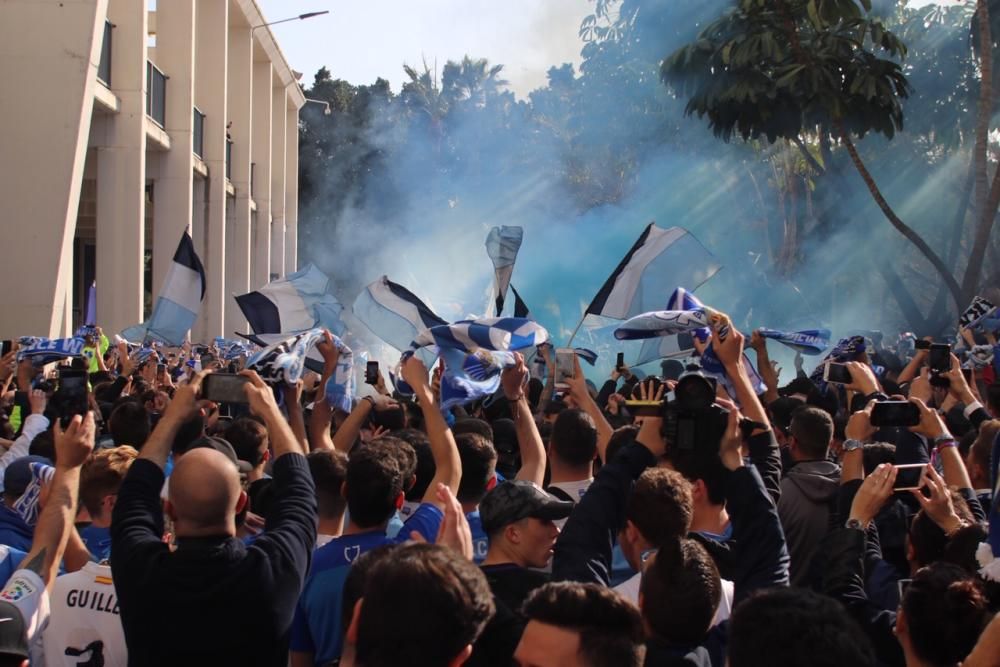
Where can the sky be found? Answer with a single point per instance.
(361, 41)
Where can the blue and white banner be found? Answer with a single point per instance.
(394, 314)
(587, 355)
(663, 323)
(285, 361)
(43, 351)
(520, 307)
(809, 341)
(977, 310)
(299, 301)
(27, 505)
(502, 245)
(498, 334)
(341, 386)
(713, 367)
(470, 376)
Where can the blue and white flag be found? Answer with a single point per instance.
(659, 257)
(179, 301)
(285, 361)
(713, 367)
(683, 299)
(299, 301)
(44, 351)
(27, 504)
(85, 330)
(498, 334)
(520, 307)
(502, 245)
(341, 386)
(663, 323)
(809, 341)
(470, 376)
(394, 314)
(587, 355)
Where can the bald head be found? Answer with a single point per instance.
(205, 494)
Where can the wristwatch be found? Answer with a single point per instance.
(856, 524)
(851, 445)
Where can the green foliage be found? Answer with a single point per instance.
(774, 69)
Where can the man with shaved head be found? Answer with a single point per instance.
(211, 600)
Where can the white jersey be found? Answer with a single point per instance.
(629, 589)
(26, 591)
(85, 627)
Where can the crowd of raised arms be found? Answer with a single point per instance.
(652, 521)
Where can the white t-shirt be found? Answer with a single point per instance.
(26, 591)
(84, 622)
(630, 589)
(574, 490)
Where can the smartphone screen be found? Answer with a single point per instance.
(224, 388)
(565, 367)
(895, 413)
(837, 373)
(939, 358)
(371, 373)
(620, 361)
(909, 477)
(7, 345)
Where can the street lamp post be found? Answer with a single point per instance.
(300, 17)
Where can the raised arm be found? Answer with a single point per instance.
(296, 420)
(446, 460)
(730, 352)
(529, 441)
(764, 366)
(182, 407)
(912, 369)
(55, 523)
(578, 390)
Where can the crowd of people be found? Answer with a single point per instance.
(658, 521)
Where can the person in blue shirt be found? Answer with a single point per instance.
(14, 531)
(374, 491)
(101, 477)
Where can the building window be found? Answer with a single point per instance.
(156, 94)
(104, 66)
(199, 133)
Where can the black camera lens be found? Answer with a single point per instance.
(694, 392)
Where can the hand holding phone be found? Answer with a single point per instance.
(225, 388)
(835, 373)
(371, 373)
(909, 477)
(620, 361)
(895, 413)
(565, 365)
(939, 358)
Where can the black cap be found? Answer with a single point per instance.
(13, 634)
(223, 447)
(516, 500)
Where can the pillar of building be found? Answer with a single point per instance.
(173, 193)
(46, 128)
(211, 100)
(279, 118)
(121, 174)
(291, 188)
(238, 220)
(261, 157)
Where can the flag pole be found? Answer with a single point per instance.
(576, 330)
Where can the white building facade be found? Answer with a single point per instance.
(124, 126)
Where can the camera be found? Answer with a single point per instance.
(691, 419)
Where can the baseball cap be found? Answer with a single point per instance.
(223, 447)
(516, 500)
(13, 634)
(18, 475)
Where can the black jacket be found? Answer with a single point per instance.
(213, 601)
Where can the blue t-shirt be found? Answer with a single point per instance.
(480, 545)
(316, 628)
(98, 541)
(10, 558)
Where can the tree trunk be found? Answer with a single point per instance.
(986, 200)
(901, 227)
(909, 307)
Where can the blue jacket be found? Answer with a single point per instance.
(14, 532)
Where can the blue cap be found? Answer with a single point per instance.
(17, 477)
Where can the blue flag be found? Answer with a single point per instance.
(299, 301)
(809, 341)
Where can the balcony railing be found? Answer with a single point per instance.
(198, 140)
(156, 94)
(229, 158)
(104, 66)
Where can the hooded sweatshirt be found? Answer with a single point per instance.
(808, 497)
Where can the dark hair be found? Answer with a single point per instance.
(329, 470)
(407, 457)
(129, 424)
(681, 590)
(479, 460)
(877, 453)
(812, 429)
(609, 626)
(426, 468)
(781, 410)
(421, 607)
(661, 506)
(789, 627)
(993, 397)
(391, 419)
(44, 444)
(374, 482)
(357, 578)
(982, 446)
(621, 437)
(574, 438)
(554, 407)
(695, 464)
(945, 612)
(249, 440)
(473, 425)
(535, 388)
(927, 538)
(189, 431)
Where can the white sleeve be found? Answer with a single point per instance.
(33, 425)
(26, 591)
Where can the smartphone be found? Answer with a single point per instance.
(895, 413)
(72, 395)
(939, 358)
(565, 364)
(620, 361)
(922, 345)
(837, 373)
(224, 388)
(909, 477)
(371, 373)
(7, 345)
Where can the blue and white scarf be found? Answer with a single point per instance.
(285, 360)
(809, 341)
(340, 388)
(27, 504)
(43, 351)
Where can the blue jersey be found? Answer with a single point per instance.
(480, 545)
(10, 558)
(98, 541)
(317, 628)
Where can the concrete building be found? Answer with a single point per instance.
(126, 122)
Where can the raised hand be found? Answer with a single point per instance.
(38, 401)
(873, 493)
(513, 378)
(931, 425)
(260, 396)
(939, 505)
(454, 532)
(74, 444)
